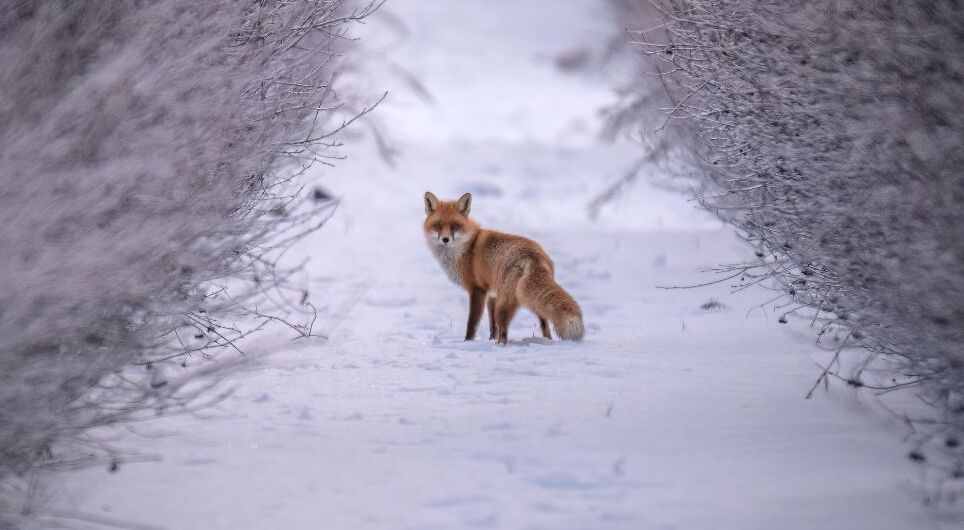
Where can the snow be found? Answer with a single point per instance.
(667, 416)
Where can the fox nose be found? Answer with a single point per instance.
(445, 240)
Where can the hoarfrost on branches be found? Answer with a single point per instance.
(154, 158)
(830, 134)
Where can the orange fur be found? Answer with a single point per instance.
(509, 270)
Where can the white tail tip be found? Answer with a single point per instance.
(571, 329)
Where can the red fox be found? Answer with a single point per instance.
(503, 269)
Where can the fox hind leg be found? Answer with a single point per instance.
(505, 308)
(492, 330)
(544, 325)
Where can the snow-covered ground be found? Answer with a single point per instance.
(668, 415)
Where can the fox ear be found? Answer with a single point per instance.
(431, 203)
(465, 203)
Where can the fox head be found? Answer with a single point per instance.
(447, 223)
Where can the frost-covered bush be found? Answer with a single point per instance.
(830, 133)
(149, 150)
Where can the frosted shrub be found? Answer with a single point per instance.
(151, 156)
(830, 133)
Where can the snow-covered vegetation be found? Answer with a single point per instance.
(830, 133)
(152, 156)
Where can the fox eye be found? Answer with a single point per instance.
(456, 227)
(437, 226)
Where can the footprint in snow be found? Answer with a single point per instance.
(601, 309)
(564, 480)
(389, 302)
(501, 426)
(484, 188)
(536, 340)
(456, 501)
(200, 461)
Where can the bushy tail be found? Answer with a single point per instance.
(540, 292)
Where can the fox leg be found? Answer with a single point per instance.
(491, 306)
(505, 308)
(476, 306)
(544, 324)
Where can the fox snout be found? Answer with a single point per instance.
(442, 236)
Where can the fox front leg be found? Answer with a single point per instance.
(476, 306)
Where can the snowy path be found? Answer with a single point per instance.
(666, 416)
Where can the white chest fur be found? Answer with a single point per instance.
(448, 258)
